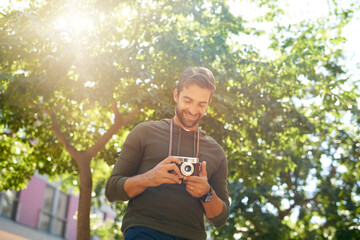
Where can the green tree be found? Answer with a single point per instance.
(295, 155)
(72, 89)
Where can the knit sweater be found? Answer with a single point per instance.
(168, 208)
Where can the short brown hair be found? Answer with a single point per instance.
(200, 76)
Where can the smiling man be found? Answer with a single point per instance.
(167, 201)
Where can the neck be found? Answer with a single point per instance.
(176, 120)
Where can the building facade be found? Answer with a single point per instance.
(41, 211)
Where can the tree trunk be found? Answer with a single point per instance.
(83, 219)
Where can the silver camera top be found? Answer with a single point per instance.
(192, 160)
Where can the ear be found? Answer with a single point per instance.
(176, 96)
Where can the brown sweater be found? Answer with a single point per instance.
(168, 208)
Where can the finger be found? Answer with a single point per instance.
(192, 180)
(171, 159)
(174, 169)
(190, 188)
(172, 179)
(203, 172)
(197, 182)
(193, 191)
(175, 178)
(169, 175)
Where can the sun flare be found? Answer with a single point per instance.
(74, 23)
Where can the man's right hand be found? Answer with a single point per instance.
(166, 171)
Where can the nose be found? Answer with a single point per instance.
(192, 109)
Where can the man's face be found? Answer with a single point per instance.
(191, 105)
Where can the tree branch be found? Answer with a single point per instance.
(8, 134)
(118, 123)
(60, 135)
(284, 213)
(297, 200)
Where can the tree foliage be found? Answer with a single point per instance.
(281, 120)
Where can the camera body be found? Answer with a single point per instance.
(189, 166)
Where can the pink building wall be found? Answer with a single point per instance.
(31, 202)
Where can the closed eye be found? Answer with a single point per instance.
(202, 105)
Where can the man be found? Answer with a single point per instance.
(163, 203)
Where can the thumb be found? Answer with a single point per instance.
(203, 169)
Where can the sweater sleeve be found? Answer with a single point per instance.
(219, 183)
(126, 166)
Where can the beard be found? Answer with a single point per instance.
(182, 116)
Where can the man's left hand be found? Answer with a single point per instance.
(198, 186)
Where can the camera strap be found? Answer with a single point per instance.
(170, 144)
(171, 140)
(198, 144)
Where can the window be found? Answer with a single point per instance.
(8, 203)
(61, 214)
(45, 218)
(53, 214)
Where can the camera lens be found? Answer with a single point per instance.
(186, 169)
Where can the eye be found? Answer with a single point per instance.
(202, 105)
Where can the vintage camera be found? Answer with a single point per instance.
(189, 166)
